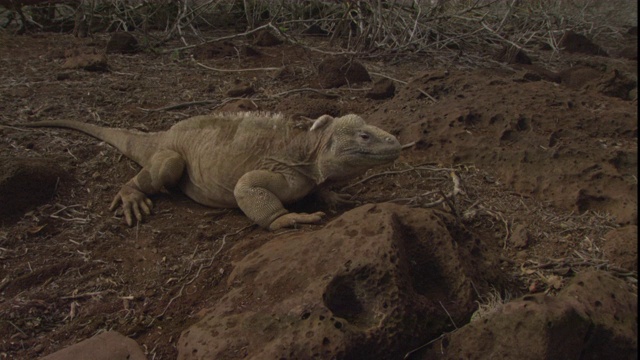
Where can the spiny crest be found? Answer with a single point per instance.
(347, 121)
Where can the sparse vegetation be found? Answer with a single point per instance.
(442, 29)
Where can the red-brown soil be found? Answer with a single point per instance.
(547, 166)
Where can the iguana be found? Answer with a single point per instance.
(256, 161)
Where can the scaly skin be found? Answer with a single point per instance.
(254, 161)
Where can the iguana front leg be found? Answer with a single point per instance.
(259, 194)
(164, 170)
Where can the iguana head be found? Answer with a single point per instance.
(350, 147)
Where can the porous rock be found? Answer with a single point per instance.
(109, 345)
(371, 284)
(26, 183)
(340, 70)
(594, 317)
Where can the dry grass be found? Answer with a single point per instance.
(459, 31)
(489, 207)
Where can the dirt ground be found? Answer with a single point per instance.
(546, 155)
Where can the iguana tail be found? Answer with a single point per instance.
(137, 146)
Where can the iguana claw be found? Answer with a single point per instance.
(291, 219)
(134, 203)
(335, 200)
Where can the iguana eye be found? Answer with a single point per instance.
(364, 136)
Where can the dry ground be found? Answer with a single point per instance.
(547, 170)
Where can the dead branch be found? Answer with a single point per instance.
(233, 70)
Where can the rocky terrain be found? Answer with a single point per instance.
(507, 228)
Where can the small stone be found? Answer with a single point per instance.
(520, 236)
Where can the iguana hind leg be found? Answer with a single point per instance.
(164, 170)
(260, 194)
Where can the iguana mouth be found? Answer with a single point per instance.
(391, 155)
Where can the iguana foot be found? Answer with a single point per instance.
(134, 203)
(335, 200)
(291, 219)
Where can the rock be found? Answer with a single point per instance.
(520, 236)
(382, 89)
(122, 43)
(617, 84)
(621, 247)
(108, 345)
(89, 62)
(594, 317)
(573, 42)
(26, 183)
(266, 38)
(371, 284)
(337, 71)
